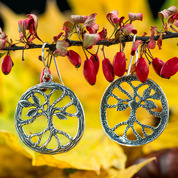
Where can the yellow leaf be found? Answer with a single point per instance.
(90, 174)
(130, 171)
(16, 161)
(11, 140)
(49, 160)
(168, 139)
(94, 151)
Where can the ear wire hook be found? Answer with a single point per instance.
(57, 69)
(46, 66)
(43, 59)
(131, 57)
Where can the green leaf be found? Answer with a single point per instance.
(68, 24)
(2, 54)
(61, 47)
(122, 107)
(90, 39)
(61, 116)
(32, 112)
(25, 103)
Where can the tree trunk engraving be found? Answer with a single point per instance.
(146, 101)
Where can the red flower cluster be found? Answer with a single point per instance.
(31, 25)
(3, 39)
(89, 35)
(171, 15)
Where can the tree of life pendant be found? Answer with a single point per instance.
(129, 100)
(35, 108)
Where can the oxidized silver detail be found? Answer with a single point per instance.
(48, 113)
(122, 104)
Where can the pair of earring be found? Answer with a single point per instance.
(31, 100)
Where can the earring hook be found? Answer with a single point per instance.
(46, 67)
(43, 59)
(131, 57)
(57, 69)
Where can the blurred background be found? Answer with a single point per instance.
(96, 155)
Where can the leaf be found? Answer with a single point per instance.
(156, 96)
(22, 160)
(2, 54)
(168, 139)
(90, 39)
(67, 27)
(89, 96)
(122, 107)
(146, 92)
(130, 171)
(91, 174)
(32, 112)
(135, 46)
(91, 154)
(25, 103)
(61, 116)
(36, 100)
(62, 46)
(150, 104)
(2, 43)
(11, 140)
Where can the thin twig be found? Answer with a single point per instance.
(102, 42)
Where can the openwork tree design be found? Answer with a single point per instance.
(48, 110)
(145, 101)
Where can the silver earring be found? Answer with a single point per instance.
(152, 92)
(46, 109)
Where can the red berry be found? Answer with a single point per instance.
(42, 75)
(169, 68)
(74, 58)
(6, 65)
(96, 62)
(89, 72)
(108, 70)
(157, 65)
(142, 69)
(119, 64)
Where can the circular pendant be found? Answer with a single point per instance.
(36, 102)
(130, 99)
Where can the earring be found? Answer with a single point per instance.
(48, 110)
(151, 93)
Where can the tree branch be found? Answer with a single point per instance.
(103, 42)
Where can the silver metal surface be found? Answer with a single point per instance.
(36, 110)
(146, 101)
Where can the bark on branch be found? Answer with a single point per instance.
(105, 43)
